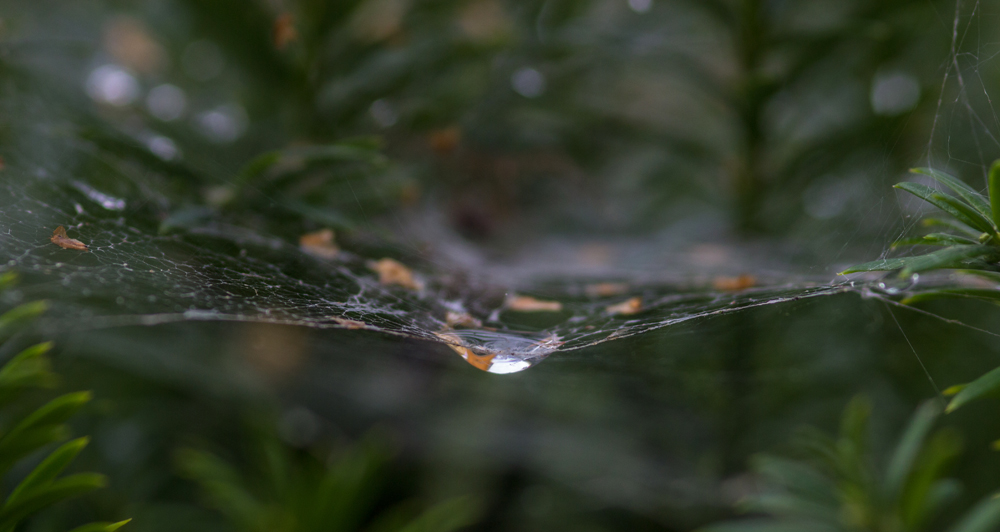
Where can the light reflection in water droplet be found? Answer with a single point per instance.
(104, 200)
(112, 85)
(510, 353)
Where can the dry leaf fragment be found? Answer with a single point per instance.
(1, 163)
(392, 272)
(530, 304)
(349, 324)
(482, 362)
(133, 45)
(605, 289)
(319, 244)
(461, 319)
(284, 31)
(444, 141)
(627, 307)
(734, 284)
(60, 239)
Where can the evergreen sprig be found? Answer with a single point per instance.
(28, 434)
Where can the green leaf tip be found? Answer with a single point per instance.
(101, 527)
(986, 385)
(952, 390)
(994, 190)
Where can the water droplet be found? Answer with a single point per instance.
(163, 147)
(894, 93)
(510, 353)
(112, 85)
(109, 202)
(383, 113)
(223, 124)
(640, 6)
(166, 102)
(528, 82)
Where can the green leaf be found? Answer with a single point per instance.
(922, 492)
(994, 184)
(768, 525)
(952, 390)
(41, 427)
(799, 478)
(961, 211)
(28, 442)
(49, 469)
(446, 516)
(986, 385)
(934, 239)
(19, 316)
(881, 265)
(223, 487)
(54, 412)
(992, 276)
(901, 462)
(101, 527)
(787, 506)
(967, 193)
(984, 517)
(29, 369)
(946, 258)
(8, 279)
(56, 491)
(360, 150)
(951, 224)
(257, 166)
(988, 294)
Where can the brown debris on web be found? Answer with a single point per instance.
(391, 272)
(626, 308)
(734, 284)
(61, 239)
(462, 319)
(530, 304)
(319, 244)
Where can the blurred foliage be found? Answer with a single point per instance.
(840, 487)
(27, 431)
(508, 119)
(283, 491)
(563, 114)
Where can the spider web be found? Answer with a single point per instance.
(134, 275)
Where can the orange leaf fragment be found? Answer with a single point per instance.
(349, 324)
(444, 141)
(605, 289)
(627, 307)
(391, 272)
(284, 31)
(319, 244)
(60, 239)
(530, 304)
(734, 284)
(482, 362)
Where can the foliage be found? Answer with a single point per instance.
(838, 489)
(28, 433)
(283, 491)
(974, 241)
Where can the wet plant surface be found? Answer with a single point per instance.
(389, 265)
